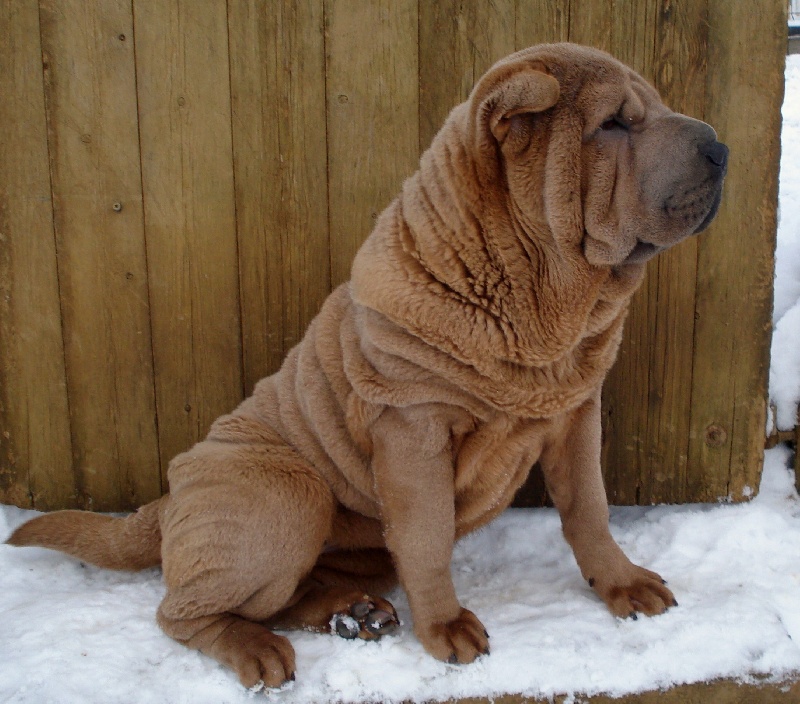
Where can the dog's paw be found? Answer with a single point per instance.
(369, 618)
(640, 590)
(256, 655)
(459, 641)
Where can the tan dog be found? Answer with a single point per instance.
(483, 314)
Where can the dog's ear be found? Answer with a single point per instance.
(513, 89)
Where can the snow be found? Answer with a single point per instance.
(73, 633)
(784, 381)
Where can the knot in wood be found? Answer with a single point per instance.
(716, 435)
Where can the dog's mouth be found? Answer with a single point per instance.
(712, 213)
(600, 253)
(642, 252)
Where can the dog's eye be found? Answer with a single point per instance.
(614, 123)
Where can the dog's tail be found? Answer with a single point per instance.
(130, 543)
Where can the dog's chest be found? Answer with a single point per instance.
(491, 463)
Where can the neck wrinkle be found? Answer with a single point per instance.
(481, 253)
(445, 223)
(457, 264)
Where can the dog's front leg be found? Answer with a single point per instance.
(571, 467)
(413, 470)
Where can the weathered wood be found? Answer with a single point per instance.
(735, 257)
(540, 22)
(590, 22)
(458, 42)
(716, 692)
(277, 55)
(35, 450)
(372, 106)
(635, 30)
(187, 177)
(678, 70)
(272, 134)
(646, 401)
(93, 136)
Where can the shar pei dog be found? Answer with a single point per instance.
(482, 315)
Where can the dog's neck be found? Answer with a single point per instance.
(451, 261)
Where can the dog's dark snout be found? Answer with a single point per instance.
(716, 152)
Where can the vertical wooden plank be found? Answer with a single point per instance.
(626, 30)
(541, 22)
(458, 42)
(747, 45)
(372, 106)
(35, 450)
(277, 56)
(647, 399)
(679, 73)
(590, 23)
(93, 136)
(634, 33)
(185, 126)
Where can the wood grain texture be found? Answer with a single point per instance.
(714, 692)
(185, 127)
(541, 22)
(35, 445)
(373, 111)
(735, 258)
(280, 157)
(96, 181)
(591, 22)
(647, 403)
(214, 172)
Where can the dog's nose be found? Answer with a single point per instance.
(715, 152)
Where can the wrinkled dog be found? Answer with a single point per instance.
(482, 316)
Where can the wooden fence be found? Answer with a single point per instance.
(182, 183)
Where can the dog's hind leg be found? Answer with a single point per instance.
(342, 595)
(244, 526)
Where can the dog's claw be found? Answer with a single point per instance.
(453, 659)
(360, 609)
(345, 626)
(365, 620)
(380, 622)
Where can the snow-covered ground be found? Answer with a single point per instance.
(71, 633)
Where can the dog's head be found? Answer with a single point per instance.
(588, 151)
(525, 232)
